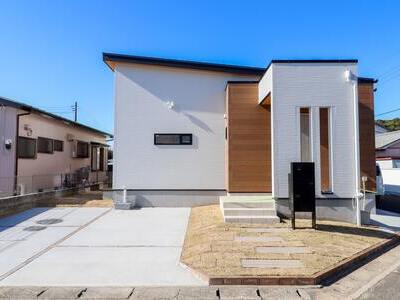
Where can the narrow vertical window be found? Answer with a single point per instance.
(324, 134)
(305, 134)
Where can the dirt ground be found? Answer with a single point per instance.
(213, 248)
(82, 199)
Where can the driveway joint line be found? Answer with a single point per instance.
(48, 248)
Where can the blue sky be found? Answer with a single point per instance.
(51, 51)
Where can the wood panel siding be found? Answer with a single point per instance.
(367, 133)
(324, 149)
(248, 145)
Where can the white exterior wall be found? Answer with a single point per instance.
(141, 93)
(8, 130)
(265, 85)
(314, 85)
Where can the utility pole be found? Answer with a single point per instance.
(75, 109)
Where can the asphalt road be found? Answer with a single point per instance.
(388, 288)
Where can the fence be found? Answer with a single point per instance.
(21, 185)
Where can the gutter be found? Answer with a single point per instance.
(353, 80)
(16, 148)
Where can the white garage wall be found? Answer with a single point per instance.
(141, 93)
(313, 85)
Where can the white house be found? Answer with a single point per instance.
(188, 132)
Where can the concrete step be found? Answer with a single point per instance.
(247, 202)
(249, 212)
(252, 219)
(270, 205)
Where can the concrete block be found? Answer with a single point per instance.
(122, 205)
(272, 263)
(279, 293)
(150, 293)
(236, 293)
(258, 239)
(62, 293)
(204, 293)
(107, 293)
(21, 292)
(284, 250)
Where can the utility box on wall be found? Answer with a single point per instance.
(302, 190)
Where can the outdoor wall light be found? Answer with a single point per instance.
(170, 104)
(349, 76)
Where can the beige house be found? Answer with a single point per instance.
(42, 151)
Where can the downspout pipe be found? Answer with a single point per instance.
(16, 149)
(351, 77)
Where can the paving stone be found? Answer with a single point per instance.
(272, 263)
(251, 229)
(107, 293)
(236, 293)
(279, 293)
(285, 250)
(153, 293)
(62, 293)
(258, 239)
(204, 293)
(21, 292)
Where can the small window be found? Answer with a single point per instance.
(45, 145)
(103, 159)
(173, 139)
(26, 147)
(82, 149)
(305, 134)
(99, 159)
(58, 145)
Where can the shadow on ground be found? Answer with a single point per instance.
(354, 231)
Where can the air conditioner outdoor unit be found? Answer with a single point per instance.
(70, 137)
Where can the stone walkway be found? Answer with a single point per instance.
(218, 250)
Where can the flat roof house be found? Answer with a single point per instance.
(41, 151)
(188, 132)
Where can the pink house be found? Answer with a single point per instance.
(42, 151)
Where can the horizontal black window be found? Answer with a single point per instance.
(26, 147)
(58, 145)
(45, 145)
(173, 139)
(82, 149)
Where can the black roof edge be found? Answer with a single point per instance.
(367, 80)
(291, 61)
(182, 64)
(8, 102)
(300, 61)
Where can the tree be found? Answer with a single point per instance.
(393, 124)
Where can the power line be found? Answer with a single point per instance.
(388, 112)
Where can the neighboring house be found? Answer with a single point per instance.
(388, 149)
(189, 132)
(380, 129)
(388, 158)
(41, 151)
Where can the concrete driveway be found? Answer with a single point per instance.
(386, 219)
(94, 247)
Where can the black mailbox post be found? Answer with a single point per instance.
(302, 190)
